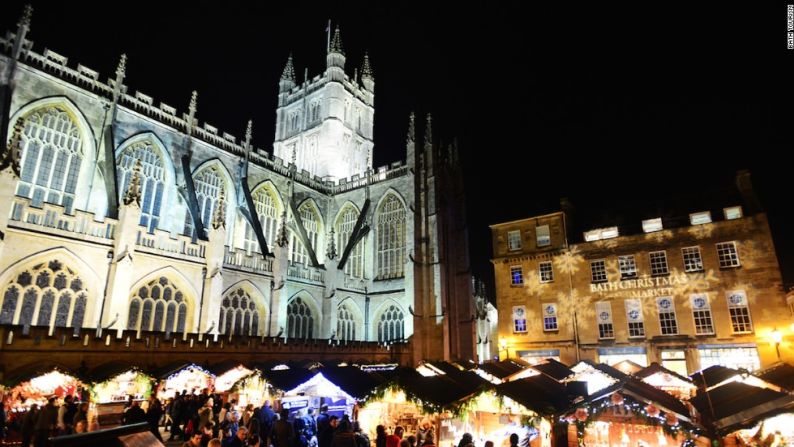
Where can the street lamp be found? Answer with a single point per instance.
(777, 337)
(503, 347)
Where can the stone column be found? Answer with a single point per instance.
(209, 318)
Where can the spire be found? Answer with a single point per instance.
(429, 131)
(121, 69)
(366, 69)
(133, 194)
(331, 252)
(281, 238)
(191, 111)
(219, 216)
(336, 42)
(27, 14)
(289, 71)
(10, 156)
(411, 128)
(248, 133)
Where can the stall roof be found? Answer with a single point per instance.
(627, 367)
(502, 369)
(441, 390)
(657, 368)
(638, 389)
(736, 405)
(107, 371)
(604, 368)
(352, 380)
(27, 372)
(553, 369)
(540, 393)
(781, 374)
(446, 367)
(166, 370)
(713, 375)
(225, 366)
(287, 379)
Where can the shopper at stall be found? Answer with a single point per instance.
(205, 414)
(283, 433)
(393, 440)
(322, 422)
(66, 414)
(239, 438)
(429, 440)
(411, 441)
(153, 414)
(177, 413)
(513, 440)
(344, 435)
(362, 440)
(466, 440)
(46, 422)
(266, 419)
(194, 441)
(29, 424)
(380, 436)
(425, 431)
(134, 414)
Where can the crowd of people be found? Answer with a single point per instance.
(203, 420)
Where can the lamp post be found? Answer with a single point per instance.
(777, 337)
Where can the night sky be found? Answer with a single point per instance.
(611, 107)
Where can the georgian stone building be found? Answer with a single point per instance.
(686, 290)
(122, 215)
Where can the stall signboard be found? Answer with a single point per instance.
(338, 407)
(294, 404)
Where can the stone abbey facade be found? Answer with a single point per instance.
(124, 216)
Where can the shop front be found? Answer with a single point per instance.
(112, 387)
(187, 377)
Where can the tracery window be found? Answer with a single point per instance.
(344, 230)
(300, 319)
(311, 223)
(239, 315)
(268, 214)
(391, 326)
(158, 306)
(390, 249)
(152, 180)
(48, 294)
(345, 323)
(209, 184)
(51, 156)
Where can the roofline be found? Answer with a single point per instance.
(556, 213)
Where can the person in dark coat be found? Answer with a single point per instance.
(153, 415)
(380, 436)
(343, 435)
(283, 433)
(267, 417)
(45, 423)
(133, 415)
(29, 424)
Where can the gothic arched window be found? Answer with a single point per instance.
(390, 248)
(300, 320)
(152, 180)
(209, 183)
(51, 156)
(158, 306)
(344, 229)
(49, 294)
(311, 223)
(391, 325)
(314, 111)
(268, 214)
(345, 323)
(239, 315)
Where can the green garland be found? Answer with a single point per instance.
(457, 409)
(637, 410)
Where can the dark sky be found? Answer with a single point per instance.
(609, 106)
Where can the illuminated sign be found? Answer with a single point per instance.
(644, 287)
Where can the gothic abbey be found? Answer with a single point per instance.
(124, 216)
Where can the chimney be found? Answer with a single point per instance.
(568, 210)
(744, 184)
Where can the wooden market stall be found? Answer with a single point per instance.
(178, 377)
(112, 386)
(667, 380)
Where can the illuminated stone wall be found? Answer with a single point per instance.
(575, 294)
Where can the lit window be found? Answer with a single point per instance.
(634, 318)
(345, 224)
(740, 312)
(601, 233)
(391, 326)
(667, 321)
(239, 315)
(546, 272)
(604, 319)
(675, 360)
(727, 254)
(542, 235)
(152, 178)
(700, 218)
(598, 271)
(701, 313)
(658, 263)
(300, 319)
(345, 323)
(550, 317)
(390, 238)
(514, 240)
(628, 268)
(519, 319)
(266, 210)
(516, 276)
(730, 355)
(692, 260)
(208, 184)
(651, 225)
(734, 212)
(158, 306)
